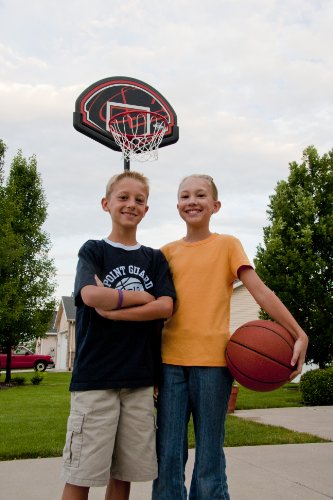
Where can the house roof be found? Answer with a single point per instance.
(69, 307)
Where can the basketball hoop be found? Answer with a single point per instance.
(138, 133)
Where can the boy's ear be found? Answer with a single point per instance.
(217, 206)
(104, 203)
(146, 209)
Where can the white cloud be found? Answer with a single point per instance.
(36, 102)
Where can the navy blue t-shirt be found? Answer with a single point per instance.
(118, 354)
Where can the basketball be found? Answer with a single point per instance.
(130, 284)
(258, 355)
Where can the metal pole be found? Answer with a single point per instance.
(126, 164)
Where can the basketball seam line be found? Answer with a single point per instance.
(254, 379)
(271, 330)
(261, 353)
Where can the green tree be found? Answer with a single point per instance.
(296, 260)
(10, 250)
(26, 271)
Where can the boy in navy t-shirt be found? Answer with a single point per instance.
(111, 433)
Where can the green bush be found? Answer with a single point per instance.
(37, 378)
(316, 387)
(18, 380)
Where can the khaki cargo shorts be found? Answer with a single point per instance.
(110, 433)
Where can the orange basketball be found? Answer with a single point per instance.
(258, 355)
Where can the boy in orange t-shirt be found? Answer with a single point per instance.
(196, 380)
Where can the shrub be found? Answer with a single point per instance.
(316, 387)
(37, 378)
(19, 380)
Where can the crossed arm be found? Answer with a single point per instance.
(136, 306)
(267, 299)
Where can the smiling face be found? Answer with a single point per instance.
(126, 203)
(196, 202)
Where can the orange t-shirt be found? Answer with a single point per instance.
(203, 274)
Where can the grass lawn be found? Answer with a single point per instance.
(286, 396)
(33, 418)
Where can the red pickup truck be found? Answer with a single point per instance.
(24, 358)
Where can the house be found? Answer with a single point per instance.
(48, 344)
(65, 326)
(243, 307)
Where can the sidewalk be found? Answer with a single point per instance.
(281, 472)
(317, 420)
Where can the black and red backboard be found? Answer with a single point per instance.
(101, 101)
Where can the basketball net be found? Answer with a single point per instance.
(138, 134)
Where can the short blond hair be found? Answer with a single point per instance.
(126, 175)
(207, 178)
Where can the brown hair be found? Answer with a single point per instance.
(207, 178)
(126, 175)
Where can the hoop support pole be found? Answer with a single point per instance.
(126, 164)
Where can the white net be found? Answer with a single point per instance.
(138, 134)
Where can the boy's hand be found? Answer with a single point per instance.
(147, 297)
(106, 314)
(155, 395)
(298, 358)
(98, 281)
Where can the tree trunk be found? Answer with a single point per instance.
(8, 363)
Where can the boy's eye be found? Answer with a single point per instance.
(140, 200)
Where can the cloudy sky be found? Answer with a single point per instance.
(251, 82)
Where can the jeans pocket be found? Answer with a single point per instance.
(74, 438)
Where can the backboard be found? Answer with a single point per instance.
(97, 105)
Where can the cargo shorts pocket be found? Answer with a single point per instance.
(74, 438)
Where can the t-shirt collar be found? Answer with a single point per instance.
(120, 245)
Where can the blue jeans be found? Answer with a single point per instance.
(204, 392)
